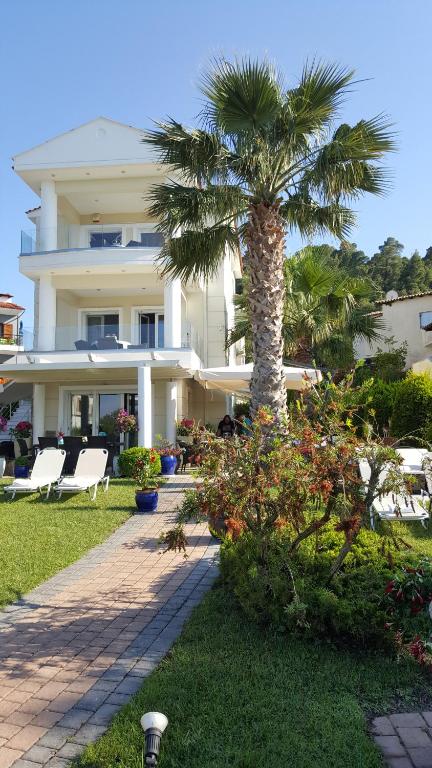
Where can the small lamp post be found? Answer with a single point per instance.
(153, 725)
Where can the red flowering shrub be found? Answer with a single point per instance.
(408, 603)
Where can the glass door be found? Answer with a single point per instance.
(82, 415)
(151, 326)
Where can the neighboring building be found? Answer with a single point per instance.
(10, 327)
(110, 332)
(407, 319)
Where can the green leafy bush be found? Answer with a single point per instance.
(292, 591)
(128, 459)
(377, 400)
(412, 411)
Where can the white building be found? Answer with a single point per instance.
(109, 331)
(407, 319)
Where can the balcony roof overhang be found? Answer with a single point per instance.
(115, 365)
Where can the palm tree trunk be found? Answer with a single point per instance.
(265, 241)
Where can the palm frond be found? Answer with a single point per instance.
(197, 254)
(199, 155)
(346, 165)
(176, 205)
(313, 103)
(300, 211)
(242, 96)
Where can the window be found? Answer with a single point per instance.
(152, 239)
(151, 329)
(101, 325)
(425, 319)
(105, 239)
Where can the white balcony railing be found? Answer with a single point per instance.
(126, 337)
(85, 238)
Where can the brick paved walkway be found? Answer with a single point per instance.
(405, 740)
(76, 648)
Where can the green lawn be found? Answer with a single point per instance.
(238, 696)
(39, 538)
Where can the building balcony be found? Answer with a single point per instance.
(70, 248)
(127, 338)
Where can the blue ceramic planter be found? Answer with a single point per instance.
(146, 501)
(21, 471)
(168, 464)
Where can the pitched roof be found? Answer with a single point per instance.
(404, 298)
(9, 305)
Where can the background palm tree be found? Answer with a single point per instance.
(325, 309)
(265, 160)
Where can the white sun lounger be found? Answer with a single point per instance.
(89, 472)
(391, 506)
(46, 471)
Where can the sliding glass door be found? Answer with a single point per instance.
(151, 329)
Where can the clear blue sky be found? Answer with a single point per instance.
(63, 63)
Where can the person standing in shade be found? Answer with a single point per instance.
(226, 427)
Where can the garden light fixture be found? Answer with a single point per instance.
(153, 725)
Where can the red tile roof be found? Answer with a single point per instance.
(402, 298)
(9, 305)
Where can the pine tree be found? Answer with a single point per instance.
(385, 267)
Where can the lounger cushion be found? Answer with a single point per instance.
(79, 482)
(29, 483)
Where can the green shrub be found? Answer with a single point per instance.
(412, 407)
(377, 399)
(128, 459)
(292, 592)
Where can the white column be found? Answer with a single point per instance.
(47, 314)
(172, 312)
(38, 412)
(171, 411)
(144, 407)
(48, 216)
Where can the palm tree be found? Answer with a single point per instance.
(263, 161)
(325, 309)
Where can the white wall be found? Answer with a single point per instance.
(402, 320)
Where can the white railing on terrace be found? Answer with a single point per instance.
(77, 238)
(127, 337)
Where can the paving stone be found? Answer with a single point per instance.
(421, 757)
(88, 734)
(39, 754)
(129, 685)
(22, 763)
(70, 750)
(414, 737)
(56, 737)
(428, 717)
(382, 726)
(104, 714)
(408, 720)
(390, 746)
(58, 762)
(75, 718)
(399, 762)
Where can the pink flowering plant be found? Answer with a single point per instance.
(185, 427)
(165, 448)
(3, 423)
(125, 422)
(22, 429)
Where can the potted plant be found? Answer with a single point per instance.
(22, 430)
(169, 456)
(22, 466)
(185, 429)
(145, 468)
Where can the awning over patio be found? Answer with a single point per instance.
(234, 379)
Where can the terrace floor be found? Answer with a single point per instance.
(75, 649)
